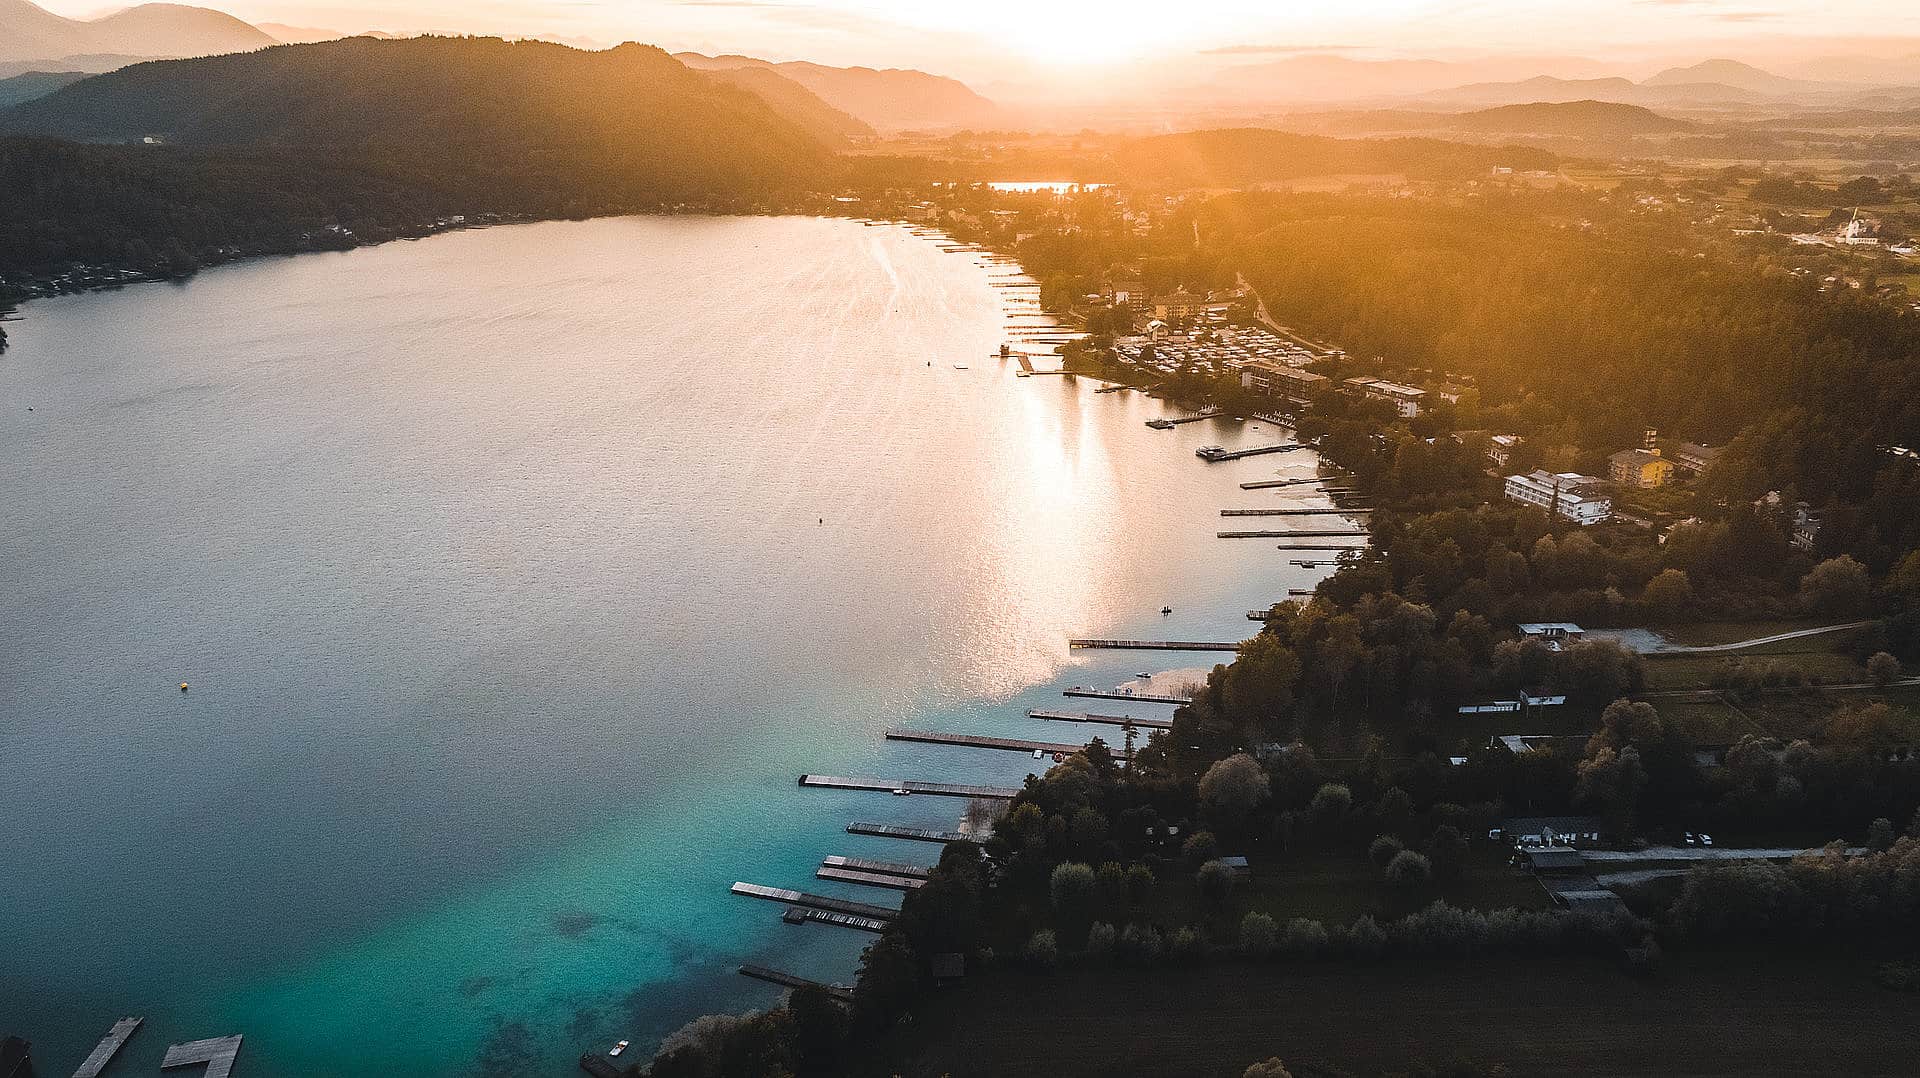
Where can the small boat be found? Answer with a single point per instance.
(1144, 677)
(1166, 610)
(618, 1047)
(1059, 757)
(959, 366)
(902, 791)
(1037, 754)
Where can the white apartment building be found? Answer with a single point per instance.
(1579, 498)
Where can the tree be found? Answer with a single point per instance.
(1100, 940)
(1613, 781)
(1232, 789)
(1447, 851)
(1883, 669)
(1200, 848)
(1258, 934)
(1072, 887)
(819, 1029)
(1139, 885)
(1409, 870)
(1669, 595)
(1383, 849)
(1880, 836)
(1043, 950)
(1837, 587)
(1331, 803)
(1270, 1067)
(1215, 881)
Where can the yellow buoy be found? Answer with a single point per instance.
(183, 686)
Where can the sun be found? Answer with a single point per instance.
(1055, 32)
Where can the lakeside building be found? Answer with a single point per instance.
(1500, 449)
(1643, 468)
(1407, 400)
(1689, 459)
(1279, 380)
(1554, 634)
(1180, 306)
(1579, 498)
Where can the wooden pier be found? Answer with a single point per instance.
(1164, 423)
(800, 915)
(972, 741)
(788, 980)
(216, 1052)
(1115, 694)
(1215, 455)
(1309, 546)
(912, 834)
(870, 879)
(1275, 484)
(885, 868)
(108, 1047)
(1306, 512)
(1153, 645)
(815, 902)
(940, 789)
(1109, 720)
(1293, 535)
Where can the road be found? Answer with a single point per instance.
(1266, 318)
(1648, 642)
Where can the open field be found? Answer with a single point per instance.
(1669, 672)
(1776, 1014)
(1728, 632)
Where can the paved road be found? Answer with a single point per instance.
(1648, 642)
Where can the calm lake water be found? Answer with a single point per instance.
(517, 574)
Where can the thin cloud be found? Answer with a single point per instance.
(1261, 50)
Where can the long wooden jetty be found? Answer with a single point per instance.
(789, 980)
(885, 868)
(815, 902)
(1108, 720)
(108, 1047)
(1116, 694)
(800, 915)
(1323, 546)
(1275, 484)
(941, 789)
(599, 1066)
(1215, 455)
(913, 834)
(972, 741)
(1305, 512)
(870, 879)
(1293, 535)
(216, 1052)
(1153, 645)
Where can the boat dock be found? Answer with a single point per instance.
(1293, 535)
(971, 741)
(1164, 423)
(1109, 720)
(870, 879)
(1308, 512)
(884, 868)
(1153, 645)
(1116, 694)
(1336, 549)
(800, 915)
(108, 1047)
(599, 1066)
(1275, 484)
(216, 1052)
(815, 902)
(1214, 454)
(912, 834)
(941, 789)
(788, 980)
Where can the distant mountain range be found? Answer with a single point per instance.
(516, 123)
(795, 102)
(30, 32)
(32, 84)
(889, 101)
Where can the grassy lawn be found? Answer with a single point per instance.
(1709, 722)
(1668, 672)
(1707, 633)
(1778, 1014)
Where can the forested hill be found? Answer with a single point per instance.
(1243, 156)
(526, 126)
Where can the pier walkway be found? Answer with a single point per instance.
(788, 980)
(1216, 455)
(1117, 694)
(1311, 512)
(912, 834)
(1275, 484)
(870, 879)
(941, 789)
(800, 915)
(108, 1047)
(1153, 645)
(216, 1052)
(885, 868)
(1293, 535)
(1109, 720)
(972, 741)
(815, 902)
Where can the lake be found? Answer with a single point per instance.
(516, 575)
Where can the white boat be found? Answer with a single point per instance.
(619, 1047)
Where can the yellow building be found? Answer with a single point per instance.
(1640, 468)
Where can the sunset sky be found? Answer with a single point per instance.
(975, 36)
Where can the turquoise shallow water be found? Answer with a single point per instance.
(497, 565)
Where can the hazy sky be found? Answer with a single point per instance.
(975, 36)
